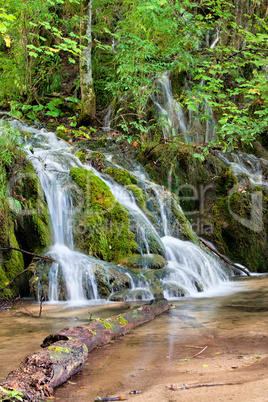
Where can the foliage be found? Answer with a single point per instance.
(10, 153)
(10, 395)
(39, 35)
(218, 47)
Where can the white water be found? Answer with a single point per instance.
(249, 165)
(189, 269)
(52, 162)
(168, 109)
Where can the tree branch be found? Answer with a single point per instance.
(27, 252)
(224, 258)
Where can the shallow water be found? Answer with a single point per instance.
(159, 353)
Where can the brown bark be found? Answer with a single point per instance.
(65, 352)
(225, 258)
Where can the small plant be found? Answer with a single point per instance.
(54, 111)
(10, 395)
(73, 122)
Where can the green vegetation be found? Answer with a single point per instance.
(219, 47)
(23, 210)
(122, 176)
(103, 225)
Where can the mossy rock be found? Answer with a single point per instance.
(173, 290)
(81, 156)
(61, 132)
(34, 226)
(122, 176)
(152, 261)
(110, 280)
(12, 262)
(242, 243)
(131, 294)
(139, 195)
(102, 228)
(225, 182)
(97, 160)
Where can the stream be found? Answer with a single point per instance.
(233, 327)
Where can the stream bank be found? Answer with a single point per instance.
(160, 353)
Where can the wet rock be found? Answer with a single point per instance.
(152, 261)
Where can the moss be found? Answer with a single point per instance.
(11, 260)
(153, 261)
(62, 133)
(81, 156)
(122, 176)
(103, 222)
(240, 243)
(34, 226)
(97, 194)
(139, 195)
(97, 160)
(225, 182)
(25, 224)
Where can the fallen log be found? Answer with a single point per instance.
(63, 354)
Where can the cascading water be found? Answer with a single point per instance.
(168, 110)
(52, 162)
(189, 269)
(246, 164)
(174, 120)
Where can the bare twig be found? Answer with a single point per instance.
(185, 386)
(41, 305)
(44, 257)
(22, 272)
(199, 353)
(12, 280)
(224, 258)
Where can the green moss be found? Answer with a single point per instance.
(11, 260)
(103, 222)
(139, 195)
(240, 243)
(225, 182)
(152, 261)
(122, 320)
(122, 176)
(61, 132)
(81, 156)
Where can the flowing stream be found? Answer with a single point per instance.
(189, 270)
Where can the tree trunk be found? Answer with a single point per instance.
(65, 352)
(88, 107)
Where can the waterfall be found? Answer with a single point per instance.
(246, 164)
(168, 109)
(189, 268)
(173, 118)
(52, 161)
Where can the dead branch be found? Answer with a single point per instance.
(224, 258)
(185, 386)
(22, 272)
(44, 257)
(199, 353)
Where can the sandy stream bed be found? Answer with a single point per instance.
(233, 329)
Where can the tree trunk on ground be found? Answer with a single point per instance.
(88, 106)
(65, 352)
